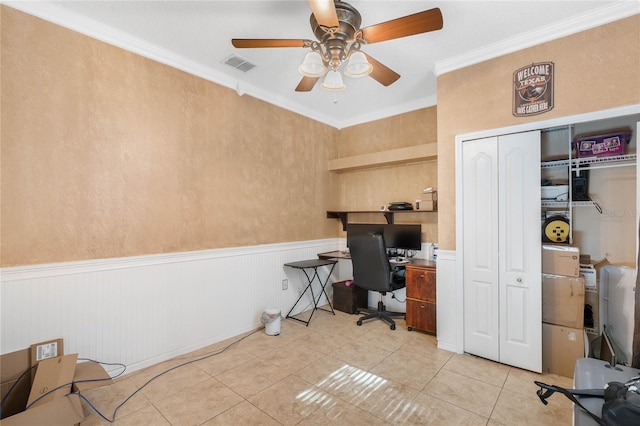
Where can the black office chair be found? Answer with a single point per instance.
(372, 271)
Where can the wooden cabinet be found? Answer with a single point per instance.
(421, 297)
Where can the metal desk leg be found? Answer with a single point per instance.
(313, 297)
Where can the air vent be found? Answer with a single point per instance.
(239, 63)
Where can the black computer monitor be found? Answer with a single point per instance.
(407, 237)
(363, 229)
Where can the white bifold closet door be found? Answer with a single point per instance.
(501, 249)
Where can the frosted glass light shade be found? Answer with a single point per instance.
(312, 65)
(333, 82)
(358, 66)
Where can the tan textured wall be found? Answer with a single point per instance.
(594, 70)
(368, 189)
(107, 154)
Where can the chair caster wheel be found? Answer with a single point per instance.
(393, 326)
(409, 328)
(359, 322)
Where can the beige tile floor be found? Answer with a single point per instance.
(330, 373)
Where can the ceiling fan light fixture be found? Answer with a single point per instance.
(358, 65)
(313, 66)
(333, 82)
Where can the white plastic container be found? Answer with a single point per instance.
(554, 192)
(271, 321)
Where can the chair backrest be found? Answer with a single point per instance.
(371, 268)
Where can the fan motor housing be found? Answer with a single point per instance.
(349, 19)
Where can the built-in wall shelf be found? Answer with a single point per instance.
(389, 215)
(410, 154)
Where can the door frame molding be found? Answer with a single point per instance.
(525, 127)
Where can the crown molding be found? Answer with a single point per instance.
(591, 19)
(426, 102)
(97, 30)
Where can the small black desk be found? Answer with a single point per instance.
(313, 264)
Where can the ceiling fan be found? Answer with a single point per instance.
(336, 26)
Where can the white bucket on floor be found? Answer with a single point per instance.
(271, 321)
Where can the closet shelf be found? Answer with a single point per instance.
(565, 204)
(410, 154)
(592, 162)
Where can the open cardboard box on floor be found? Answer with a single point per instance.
(42, 394)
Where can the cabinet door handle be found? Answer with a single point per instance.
(519, 280)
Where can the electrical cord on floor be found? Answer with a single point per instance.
(124, 367)
(159, 375)
(4, 400)
(93, 407)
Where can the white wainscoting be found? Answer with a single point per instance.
(142, 310)
(449, 300)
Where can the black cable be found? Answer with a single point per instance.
(93, 407)
(4, 400)
(80, 381)
(157, 376)
(393, 296)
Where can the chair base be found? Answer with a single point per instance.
(380, 313)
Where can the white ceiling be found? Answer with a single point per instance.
(195, 36)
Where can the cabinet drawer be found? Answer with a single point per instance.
(421, 315)
(421, 283)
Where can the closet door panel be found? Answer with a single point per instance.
(480, 218)
(520, 257)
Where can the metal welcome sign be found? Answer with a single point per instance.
(533, 89)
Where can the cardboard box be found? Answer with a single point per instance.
(48, 349)
(26, 405)
(561, 259)
(53, 380)
(18, 372)
(561, 348)
(563, 300)
(428, 201)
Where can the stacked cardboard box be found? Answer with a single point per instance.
(428, 200)
(563, 296)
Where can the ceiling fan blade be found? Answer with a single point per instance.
(266, 42)
(325, 12)
(418, 23)
(307, 84)
(381, 73)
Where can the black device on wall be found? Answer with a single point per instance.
(580, 186)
